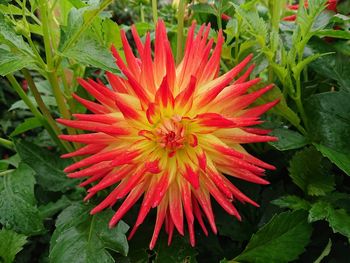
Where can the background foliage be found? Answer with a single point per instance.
(305, 211)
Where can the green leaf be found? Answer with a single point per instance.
(48, 100)
(311, 172)
(75, 21)
(257, 25)
(111, 33)
(11, 62)
(10, 9)
(334, 67)
(293, 202)
(231, 29)
(340, 159)
(338, 219)
(142, 28)
(281, 108)
(76, 230)
(78, 21)
(9, 36)
(17, 202)
(328, 115)
(14, 160)
(282, 239)
(287, 139)
(27, 125)
(48, 167)
(203, 8)
(52, 208)
(297, 69)
(10, 244)
(178, 251)
(333, 33)
(89, 52)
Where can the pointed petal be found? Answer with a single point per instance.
(116, 83)
(129, 56)
(164, 95)
(175, 207)
(191, 176)
(102, 167)
(126, 205)
(211, 94)
(96, 158)
(161, 212)
(91, 106)
(88, 149)
(94, 126)
(112, 178)
(137, 39)
(102, 118)
(198, 214)
(147, 71)
(89, 138)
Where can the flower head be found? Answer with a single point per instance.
(170, 132)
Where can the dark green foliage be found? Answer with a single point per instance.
(48, 166)
(18, 209)
(79, 237)
(10, 244)
(276, 241)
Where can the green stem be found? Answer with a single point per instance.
(237, 39)
(51, 73)
(33, 109)
(37, 54)
(219, 21)
(45, 111)
(7, 172)
(297, 99)
(52, 77)
(218, 15)
(155, 11)
(7, 144)
(46, 32)
(223, 65)
(275, 11)
(24, 96)
(53, 5)
(142, 13)
(28, 13)
(180, 27)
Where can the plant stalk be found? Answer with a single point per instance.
(37, 114)
(155, 11)
(44, 110)
(46, 33)
(51, 73)
(297, 99)
(180, 27)
(7, 144)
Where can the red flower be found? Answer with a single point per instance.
(225, 17)
(330, 5)
(170, 133)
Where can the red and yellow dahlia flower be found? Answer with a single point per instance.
(170, 133)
